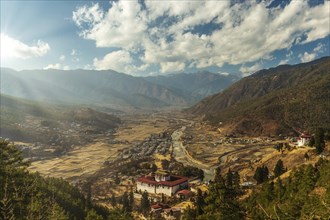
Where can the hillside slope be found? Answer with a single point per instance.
(278, 100)
(23, 120)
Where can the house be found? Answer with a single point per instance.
(161, 182)
(303, 139)
(184, 194)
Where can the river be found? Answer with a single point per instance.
(181, 155)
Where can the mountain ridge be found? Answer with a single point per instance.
(109, 88)
(271, 101)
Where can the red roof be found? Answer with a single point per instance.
(305, 135)
(175, 180)
(184, 192)
(156, 206)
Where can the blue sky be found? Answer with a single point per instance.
(163, 37)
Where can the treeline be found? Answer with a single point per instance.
(305, 194)
(29, 196)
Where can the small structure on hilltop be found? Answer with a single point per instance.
(304, 139)
(161, 182)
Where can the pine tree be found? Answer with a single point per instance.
(113, 200)
(279, 168)
(126, 203)
(319, 140)
(199, 202)
(145, 203)
(131, 199)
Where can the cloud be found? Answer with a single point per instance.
(57, 66)
(62, 57)
(201, 33)
(12, 48)
(306, 57)
(171, 67)
(119, 61)
(248, 70)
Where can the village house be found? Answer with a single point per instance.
(161, 182)
(303, 139)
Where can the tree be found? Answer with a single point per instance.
(145, 203)
(126, 203)
(279, 168)
(117, 180)
(131, 199)
(199, 202)
(153, 167)
(165, 164)
(261, 174)
(319, 140)
(92, 215)
(201, 174)
(113, 200)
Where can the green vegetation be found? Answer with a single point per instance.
(261, 174)
(190, 171)
(305, 194)
(279, 168)
(30, 196)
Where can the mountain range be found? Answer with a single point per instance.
(111, 89)
(287, 98)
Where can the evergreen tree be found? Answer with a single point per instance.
(145, 203)
(199, 202)
(279, 168)
(319, 140)
(113, 200)
(201, 174)
(92, 215)
(126, 203)
(261, 174)
(131, 199)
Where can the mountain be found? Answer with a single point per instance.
(25, 120)
(195, 86)
(100, 88)
(273, 101)
(111, 89)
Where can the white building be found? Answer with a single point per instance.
(304, 139)
(161, 182)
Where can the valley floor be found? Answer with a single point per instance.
(111, 164)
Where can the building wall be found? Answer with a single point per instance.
(145, 187)
(167, 190)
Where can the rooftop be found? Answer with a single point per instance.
(174, 180)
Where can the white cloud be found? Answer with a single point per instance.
(163, 32)
(62, 57)
(73, 52)
(166, 67)
(12, 48)
(248, 70)
(119, 61)
(224, 73)
(57, 66)
(306, 57)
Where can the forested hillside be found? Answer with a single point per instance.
(30, 196)
(279, 100)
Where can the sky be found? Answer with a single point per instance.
(145, 38)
